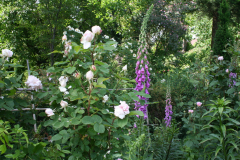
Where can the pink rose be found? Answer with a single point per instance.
(86, 39)
(199, 104)
(190, 111)
(96, 30)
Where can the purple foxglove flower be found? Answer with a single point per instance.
(145, 57)
(146, 91)
(141, 61)
(148, 73)
(142, 70)
(137, 64)
(146, 66)
(135, 126)
(143, 78)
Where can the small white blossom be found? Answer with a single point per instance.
(105, 98)
(163, 80)
(63, 81)
(62, 89)
(134, 55)
(89, 75)
(1, 97)
(106, 37)
(124, 68)
(64, 104)
(220, 58)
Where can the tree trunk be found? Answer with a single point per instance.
(214, 27)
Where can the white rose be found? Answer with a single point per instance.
(7, 53)
(86, 39)
(121, 110)
(118, 112)
(62, 89)
(89, 75)
(124, 68)
(49, 112)
(96, 30)
(64, 104)
(63, 81)
(34, 83)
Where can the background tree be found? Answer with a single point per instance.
(223, 35)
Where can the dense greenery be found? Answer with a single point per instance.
(86, 57)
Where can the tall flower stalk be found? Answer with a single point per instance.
(142, 79)
(168, 108)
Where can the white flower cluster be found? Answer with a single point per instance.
(121, 110)
(6, 53)
(105, 98)
(63, 82)
(67, 46)
(34, 83)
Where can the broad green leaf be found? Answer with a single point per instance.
(122, 122)
(101, 79)
(41, 95)
(87, 120)
(100, 86)
(70, 70)
(231, 90)
(140, 113)
(97, 119)
(56, 137)
(58, 124)
(100, 128)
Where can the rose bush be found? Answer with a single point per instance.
(93, 122)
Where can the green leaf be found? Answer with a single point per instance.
(230, 91)
(100, 128)
(122, 122)
(77, 48)
(233, 120)
(205, 140)
(188, 144)
(58, 124)
(56, 137)
(101, 79)
(9, 102)
(140, 113)
(97, 119)
(133, 95)
(213, 83)
(100, 86)
(217, 150)
(223, 127)
(76, 121)
(70, 70)
(12, 92)
(41, 95)
(87, 120)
